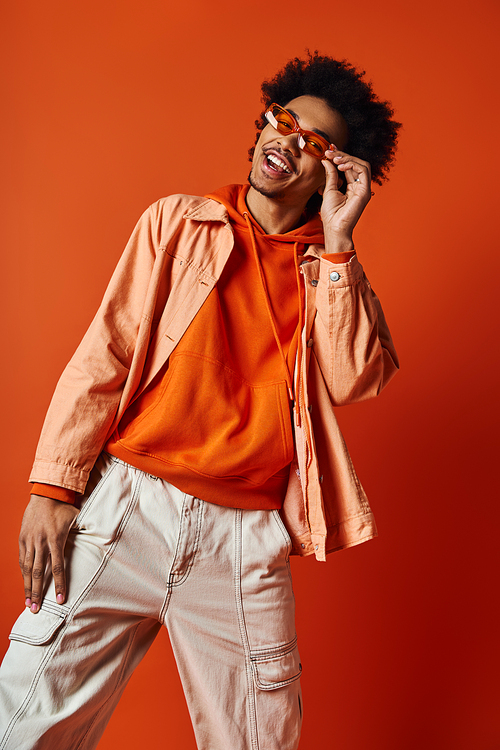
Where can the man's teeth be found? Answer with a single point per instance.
(280, 164)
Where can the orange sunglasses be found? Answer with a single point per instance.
(285, 123)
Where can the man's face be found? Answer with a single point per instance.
(280, 169)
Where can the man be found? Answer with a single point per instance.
(191, 443)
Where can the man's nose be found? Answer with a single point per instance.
(290, 143)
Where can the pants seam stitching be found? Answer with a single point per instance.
(243, 634)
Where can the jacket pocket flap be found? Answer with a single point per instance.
(38, 628)
(277, 670)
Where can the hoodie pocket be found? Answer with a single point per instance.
(213, 422)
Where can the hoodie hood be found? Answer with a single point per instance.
(232, 197)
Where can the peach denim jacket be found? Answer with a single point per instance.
(171, 263)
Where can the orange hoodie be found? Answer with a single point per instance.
(216, 423)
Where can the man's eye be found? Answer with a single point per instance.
(285, 125)
(315, 146)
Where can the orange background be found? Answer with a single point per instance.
(399, 637)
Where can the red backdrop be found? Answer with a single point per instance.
(398, 636)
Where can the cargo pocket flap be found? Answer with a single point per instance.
(39, 628)
(276, 671)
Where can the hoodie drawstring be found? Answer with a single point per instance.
(270, 312)
(299, 332)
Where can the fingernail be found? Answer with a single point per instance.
(337, 158)
(59, 598)
(33, 607)
(28, 602)
(333, 147)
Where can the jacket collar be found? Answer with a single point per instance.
(208, 210)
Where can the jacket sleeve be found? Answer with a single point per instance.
(351, 338)
(88, 393)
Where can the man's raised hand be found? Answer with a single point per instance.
(340, 212)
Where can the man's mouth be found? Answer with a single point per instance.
(277, 164)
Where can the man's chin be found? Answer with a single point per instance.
(268, 190)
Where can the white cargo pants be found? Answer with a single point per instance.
(141, 554)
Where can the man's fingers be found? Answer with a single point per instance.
(26, 557)
(352, 170)
(339, 157)
(355, 170)
(332, 175)
(33, 574)
(33, 570)
(59, 575)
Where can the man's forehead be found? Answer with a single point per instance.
(313, 129)
(314, 113)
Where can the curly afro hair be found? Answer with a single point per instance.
(372, 134)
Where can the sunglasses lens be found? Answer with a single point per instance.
(314, 146)
(281, 120)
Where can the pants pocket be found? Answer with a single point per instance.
(111, 497)
(276, 667)
(283, 529)
(102, 469)
(39, 629)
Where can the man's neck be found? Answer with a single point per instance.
(273, 216)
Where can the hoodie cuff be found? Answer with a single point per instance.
(340, 257)
(55, 493)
